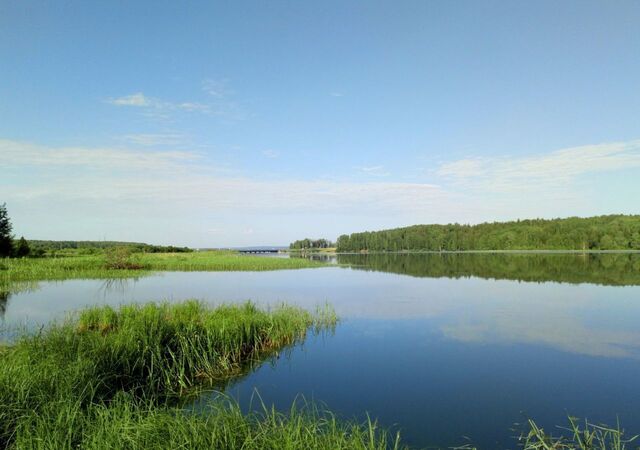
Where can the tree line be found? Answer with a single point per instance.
(10, 247)
(612, 232)
(91, 247)
(309, 244)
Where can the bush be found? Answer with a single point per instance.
(120, 258)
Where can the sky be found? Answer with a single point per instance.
(214, 124)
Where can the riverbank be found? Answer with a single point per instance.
(125, 265)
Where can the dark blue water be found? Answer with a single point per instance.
(439, 353)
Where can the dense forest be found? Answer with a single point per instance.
(614, 232)
(309, 244)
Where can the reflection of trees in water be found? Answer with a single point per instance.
(615, 269)
(116, 285)
(7, 289)
(4, 301)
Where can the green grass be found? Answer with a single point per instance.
(113, 378)
(128, 424)
(578, 436)
(98, 266)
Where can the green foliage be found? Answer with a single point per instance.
(6, 239)
(310, 244)
(614, 232)
(22, 249)
(61, 248)
(120, 258)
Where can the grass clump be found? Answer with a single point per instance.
(577, 436)
(113, 378)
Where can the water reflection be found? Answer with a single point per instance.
(4, 300)
(612, 269)
(116, 286)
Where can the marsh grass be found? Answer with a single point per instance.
(116, 264)
(114, 378)
(578, 436)
(127, 423)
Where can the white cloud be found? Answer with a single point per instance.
(336, 94)
(555, 169)
(155, 107)
(137, 99)
(219, 102)
(375, 171)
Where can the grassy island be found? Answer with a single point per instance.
(115, 378)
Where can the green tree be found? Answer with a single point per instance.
(22, 249)
(6, 240)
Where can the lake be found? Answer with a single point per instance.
(446, 348)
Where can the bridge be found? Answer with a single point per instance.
(260, 250)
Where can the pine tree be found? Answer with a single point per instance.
(6, 240)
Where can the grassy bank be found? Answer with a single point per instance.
(112, 378)
(105, 265)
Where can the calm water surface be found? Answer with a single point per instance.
(442, 347)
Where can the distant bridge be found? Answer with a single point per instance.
(260, 250)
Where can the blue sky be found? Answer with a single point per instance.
(243, 123)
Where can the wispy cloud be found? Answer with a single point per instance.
(21, 154)
(137, 99)
(182, 179)
(153, 139)
(374, 171)
(157, 108)
(222, 100)
(336, 94)
(217, 88)
(554, 169)
(219, 102)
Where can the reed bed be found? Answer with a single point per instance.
(137, 264)
(221, 261)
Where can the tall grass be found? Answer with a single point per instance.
(112, 378)
(103, 266)
(578, 436)
(129, 424)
